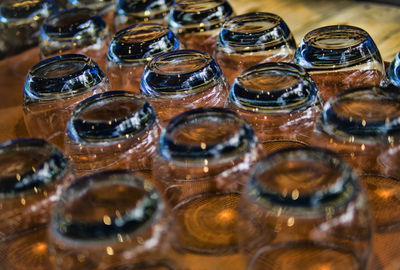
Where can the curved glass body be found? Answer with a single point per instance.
(115, 129)
(130, 12)
(107, 220)
(304, 208)
(181, 80)
(340, 57)
(33, 173)
(53, 87)
(132, 48)
(104, 8)
(197, 23)
(280, 101)
(201, 174)
(359, 125)
(25, 18)
(76, 30)
(393, 72)
(251, 39)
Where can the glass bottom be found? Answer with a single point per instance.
(208, 223)
(384, 196)
(26, 252)
(304, 256)
(271, 146)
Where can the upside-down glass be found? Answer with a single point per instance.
(52, 89)
(20, 22)
(130, 12)
(111, 219)
(33, 173)
(359, 125)
(393, 72)
(104, 8)
(115, 129)
(304, 209)
(202, 161)
(178, 81)
(197, 22)
(280, 101)
(76, 30)
(132, 48)
(251, 39)
(340, 57)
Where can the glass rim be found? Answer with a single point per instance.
(336, 195)
(298, 96)
(130, 223)
(166, 84)
(35, 80)
(231, 148)
(147, 12)
(115, 131)
(142, 50)
(53, 169)
(361, 130)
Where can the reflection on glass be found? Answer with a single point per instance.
(201, 174)
(115, 129)
(132, 48)
(279, 100)
(32, 174)
(251, 39)
(181, 80)
(76, 30)
(130, 12)
(197, 23)
(393, 72)
(304, 208)
(53, 87)
(340, 57)
(107, 220)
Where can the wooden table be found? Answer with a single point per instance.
(381, 21)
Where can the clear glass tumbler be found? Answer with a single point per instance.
(181, 80)
(111, 220)
(360, 125)
(52, 89)
(198, 22)
(280, 101)
(33, 173)
(132, 48)
(115, 129)
(130, 12)
(340, 57)
(202, 161)
(304, 209)
(251, 39)
(20, 22)
(393, 72)
(76, 30)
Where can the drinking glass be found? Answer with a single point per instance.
(20, 22)
(76, 30)
(52, 89)
(114, 129)
(181, 80)
(251, 39)
(202, 161)
(197, 23)
(340, 57)
(360, 124)
(132, 48)
(130, 12)
(280, 101)
(304, 208)
(105, 8)
(109, 220)
(393, 72)
(33, 173)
